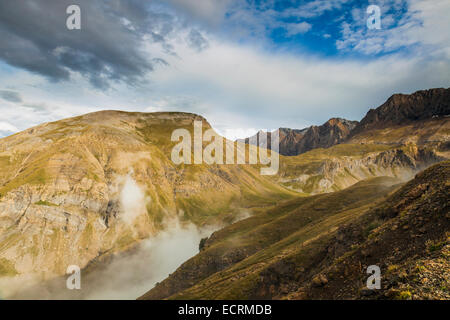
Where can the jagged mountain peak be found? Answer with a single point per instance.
(421, 117)
(340, 121)
(403, 108)
(296, 141)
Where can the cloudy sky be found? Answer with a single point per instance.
(243, 64)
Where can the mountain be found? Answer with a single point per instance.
(420, 118)
(288, 139)
(320, 247)
(294, 141)
(406, 134)
(400, 109)
(332, 132)
(77, 190)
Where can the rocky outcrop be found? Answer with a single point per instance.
(339, 172)
(289, 140)
(332, 132)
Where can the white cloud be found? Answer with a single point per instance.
(241, 88)
(424, 25)
(297, 28)
(237, 133)
(314, 8)
(133, 201)
(6, 126)
(250, 88)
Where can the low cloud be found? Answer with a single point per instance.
(127, 276)
(154, 260)
(132, 200)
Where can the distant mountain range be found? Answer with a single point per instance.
(399, 110)
(294, 142)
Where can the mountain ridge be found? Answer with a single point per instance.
(424, 112)
(401, 108)
(297, 141)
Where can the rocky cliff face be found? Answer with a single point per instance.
(289, 140)
(403, 108)
(336, 168)
(332, 132)
(294, 141)
(421, 118)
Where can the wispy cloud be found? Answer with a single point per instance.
(9, 95)
(313, 8)
(297, 28)
(416, 27)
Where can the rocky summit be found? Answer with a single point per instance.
(421, 117)
(294, 141)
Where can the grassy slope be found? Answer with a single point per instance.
(410, 245)
(240, 250)
(335, 236)
(310, 162)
